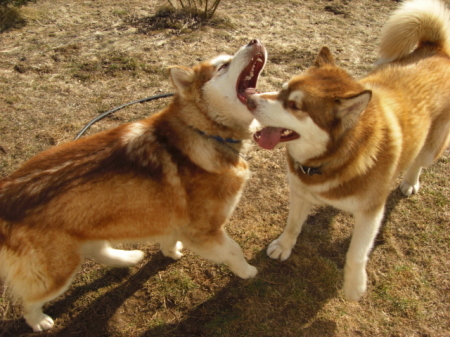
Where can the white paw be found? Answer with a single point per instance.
(278, 251)
(355, 283)
(249, 272)
(45, 323)
(174, 253)
(408, 189)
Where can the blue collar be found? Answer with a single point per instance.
(224, 142)
(218, 138)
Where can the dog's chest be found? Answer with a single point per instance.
(212, 197)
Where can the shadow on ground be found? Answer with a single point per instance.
(293, 290)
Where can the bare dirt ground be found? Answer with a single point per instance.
(70, 60)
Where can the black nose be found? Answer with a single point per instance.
(252, 42)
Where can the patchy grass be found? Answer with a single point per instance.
(71, 60)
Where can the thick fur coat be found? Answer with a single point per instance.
(348, 140)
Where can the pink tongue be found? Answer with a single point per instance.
(269, 137)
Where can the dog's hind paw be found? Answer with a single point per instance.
(408, 189)
(277, 251)
(173, 252)
(45, 323)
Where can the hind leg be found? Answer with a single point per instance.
(35, 318)
(45, 289)
(220, 248)
(102, 252)
(437, 141)
(38, 273)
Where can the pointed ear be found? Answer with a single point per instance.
(324, 58)
(350, 108)
(182, 77)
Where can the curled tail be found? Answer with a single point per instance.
(415, 22)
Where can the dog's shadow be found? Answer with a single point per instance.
(102, 309)
(94, 319)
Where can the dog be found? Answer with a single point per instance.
(173, 178)
(348, 140)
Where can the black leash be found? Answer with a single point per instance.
(103, 115)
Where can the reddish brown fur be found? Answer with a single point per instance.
(348, 140)
(158, 178)
(324, 87)
(99, 169)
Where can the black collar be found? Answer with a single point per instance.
(308, 170)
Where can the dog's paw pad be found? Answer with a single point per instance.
(45, 323)
(408, 189)
(277, 251)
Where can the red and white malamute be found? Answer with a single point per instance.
(347, 140)
(172, 178)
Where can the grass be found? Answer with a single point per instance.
(73, 63)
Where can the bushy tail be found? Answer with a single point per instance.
(415, 21)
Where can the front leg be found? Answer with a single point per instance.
(170, 247)
(220, 248)
(366, 229)
(281, 248)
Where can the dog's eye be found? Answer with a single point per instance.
(223, 66)
(292, 105)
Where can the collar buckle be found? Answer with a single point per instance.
(309, 171)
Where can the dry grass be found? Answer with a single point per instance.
(74, 59)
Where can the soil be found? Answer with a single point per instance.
(65, 62)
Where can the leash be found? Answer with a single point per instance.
(103, 115)
(148, 99)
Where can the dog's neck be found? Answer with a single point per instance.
(219, 139)
(303, 169)
(308, 170)
(226, 142)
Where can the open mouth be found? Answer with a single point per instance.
(269, 137)
(246, 84)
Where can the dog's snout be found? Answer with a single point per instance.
(252, 42)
